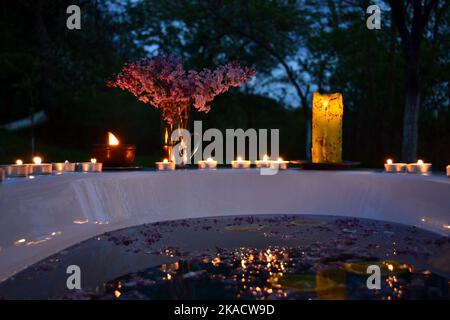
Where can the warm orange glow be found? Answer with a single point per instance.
(19, 162)
(327, 114)
(112, 140)
(239, 159)
(389, 161)
(280, 159)
(165, 160)
(420, 162)
(37, 160)
(117, 293)
(93, 160)
(166, 136)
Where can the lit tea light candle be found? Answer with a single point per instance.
(210, 163)
(40, 168)
(419, 167)
(17, 170)
(65, 166)
(264, 163)
(390, 166)
(279, 164)
(239, 163)
(92, 166)
(96, 166)
(165, 165)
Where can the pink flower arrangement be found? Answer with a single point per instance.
(163, 82)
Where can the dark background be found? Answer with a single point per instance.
(325, 45)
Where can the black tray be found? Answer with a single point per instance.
(307, 165)
(122, 168)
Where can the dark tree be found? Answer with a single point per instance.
(411, 32)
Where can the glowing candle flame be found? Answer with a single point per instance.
(209, 160)
(112, 140)
(93, 160)
(265, 158)
(389, 161)
(280, 159)
(165, 160)
(37, 160)
(19, 162)
(239, 159)
(420, 162)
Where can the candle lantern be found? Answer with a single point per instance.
(115, 154)
(327, 114)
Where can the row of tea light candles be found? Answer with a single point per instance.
(239, 163)
(20, 169)
(418, 167)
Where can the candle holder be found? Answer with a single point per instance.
(419, 167)
(239, 163)
(40, 168)
(18, 170)
(207, 164)
(43, 168)
(264, 163)
(60, 167)
(165, 165)
(391, 167)
(92, 166)
(114, 154)
(279, 164)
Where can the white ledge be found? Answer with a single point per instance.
(51, 213)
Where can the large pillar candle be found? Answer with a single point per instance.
(327, 112)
